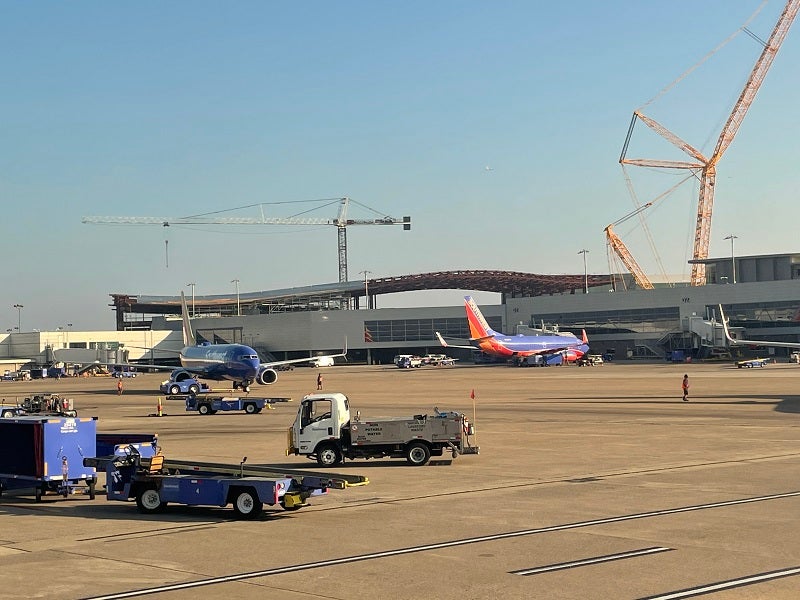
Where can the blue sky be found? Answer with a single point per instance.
(173, 109)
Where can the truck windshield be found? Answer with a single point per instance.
(315, 410)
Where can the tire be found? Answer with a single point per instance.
(92, 491)
(8, 414)
(174, 390)
(246, 504)
(148, 501)
(418, 453)
(250, 408)
(38, 493)
(194, 389)
(205, 409)
(328, 455)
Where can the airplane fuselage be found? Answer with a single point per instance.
(232, 362)
(526, 345)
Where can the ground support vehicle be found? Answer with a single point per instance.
(135, 472)
(46, 453)
(752, 362)
(185, 386)
(209, 405)
(409, 362)
(324, 429)
(590, 360)
(47, 404)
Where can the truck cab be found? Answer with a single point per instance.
(321, 417)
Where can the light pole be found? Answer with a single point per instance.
(366, 287)
(732, 237)
(19, 308)
(238, 311)
(191, 285)
(585, 272)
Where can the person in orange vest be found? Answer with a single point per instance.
(685, 386)
(119, 387)
(319, 381)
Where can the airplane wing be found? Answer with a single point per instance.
(144, 366)
(294, 361)
(739, 342)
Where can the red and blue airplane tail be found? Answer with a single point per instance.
(478, 327)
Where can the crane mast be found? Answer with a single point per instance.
(706, 167)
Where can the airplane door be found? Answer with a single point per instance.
(316, 423)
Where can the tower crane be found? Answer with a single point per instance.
(341, 222)
(707, 167)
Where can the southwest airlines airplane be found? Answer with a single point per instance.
(494, 343)
(232, 362)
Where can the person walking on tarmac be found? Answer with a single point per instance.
(319, 381)
(685, 386)
(119, 387)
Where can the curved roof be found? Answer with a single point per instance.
(505, 282)
(510, 283)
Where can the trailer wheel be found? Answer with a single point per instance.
(148, 500)
(246, 504)
(174, 390)
(250, 408)
(8, 414)
(418, 453)
(328, 455)
(92, 484)
(194, 389)
(204, 409)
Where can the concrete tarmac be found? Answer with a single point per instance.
(592, 483)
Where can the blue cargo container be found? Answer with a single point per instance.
(46, 454)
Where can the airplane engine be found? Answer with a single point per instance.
(267, 376)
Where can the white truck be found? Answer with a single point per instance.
(325, 430)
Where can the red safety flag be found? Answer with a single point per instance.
(472, 394)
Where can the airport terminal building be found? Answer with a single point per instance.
(764, 302)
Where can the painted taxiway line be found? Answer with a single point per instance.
(725, 585)
(437, 546)
(590, 561)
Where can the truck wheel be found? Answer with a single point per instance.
(418, 453)
(250, 408)
(328, 455)
(148, 500)
(92, 484)
(204, 409)
(194, 389)
(246, 504)
(174, 390)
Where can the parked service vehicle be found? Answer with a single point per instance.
(185, 386)
(409, 362)
(140, 472)
(752, 363)
(324, 429)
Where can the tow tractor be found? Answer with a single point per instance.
(324, 429)
(140, 472)
(752, 362)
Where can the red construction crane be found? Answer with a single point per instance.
(706, 167)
